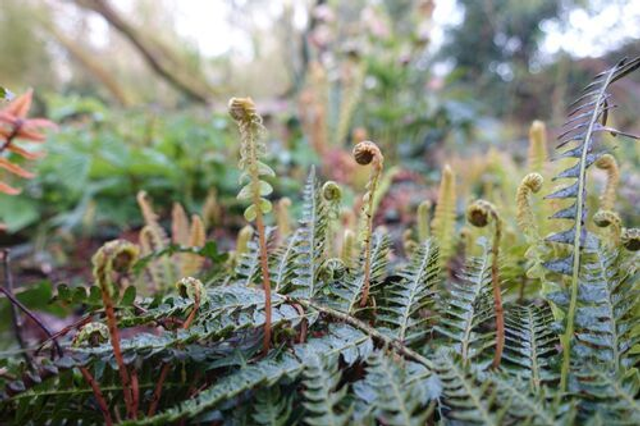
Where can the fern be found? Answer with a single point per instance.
(346, 293)
(266, 372)
(396, 399)
(465, 398)
(589, 117)
(323, 399)
(310, 240)
(531, 343)
(404, 304)
(271, 408)
(467, 308)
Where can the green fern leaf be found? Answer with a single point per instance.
(310, 243)
(393, 397)
(403, 304)
(530, 344)
(346, 293)
(467, 307)
(271, 408)
(323, 399)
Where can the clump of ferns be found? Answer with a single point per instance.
(252, 150)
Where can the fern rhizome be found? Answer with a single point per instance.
(302, 325)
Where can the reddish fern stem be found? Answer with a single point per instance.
(157, 393)
(117, 352)
(266, 282)
(102, 403)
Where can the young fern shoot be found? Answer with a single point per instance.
(252, 149)
(365, 153)
(479, 214)
(115, 257)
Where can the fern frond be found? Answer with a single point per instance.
(466, 399)
(530, 343)
(609, 164)
(403, 304)
(323, 399)
(395, 399)
(340, 340)
(527, 407)
(589, 117)
(248, 267)
(271, 408)
(310, 241)
(347, 292)
(444, 218)
(611, 396)
(284, 265)
(467, 307)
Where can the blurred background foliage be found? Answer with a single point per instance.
(139, 90)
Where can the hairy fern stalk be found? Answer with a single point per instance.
(431, 344)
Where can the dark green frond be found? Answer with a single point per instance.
(310, 240)
(467, 307)
(340, 340)
(389, 391)
(406, 306)
(466, 399)
(611, 396)
(323, 398)
(346, 292)
(531, 343)
(247, 271)
(271, 408)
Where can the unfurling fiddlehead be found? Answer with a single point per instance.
(366, 153)
(346, 251)
(115, 257)
(252, 149)
(332, 196)
(532, 183)
(611, 220)
(630, 239)
(609, 164)
(479, 214)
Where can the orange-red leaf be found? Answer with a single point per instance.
(15, 169)
(24, 153)
(19, 107)
(9, 190)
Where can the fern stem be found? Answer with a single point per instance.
(478, 215)
(381, 338)
(115, 256)
(365, 153)
(266, 282)
(102, 403)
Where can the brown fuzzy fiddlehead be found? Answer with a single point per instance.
(366, 153)
(480, 214)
